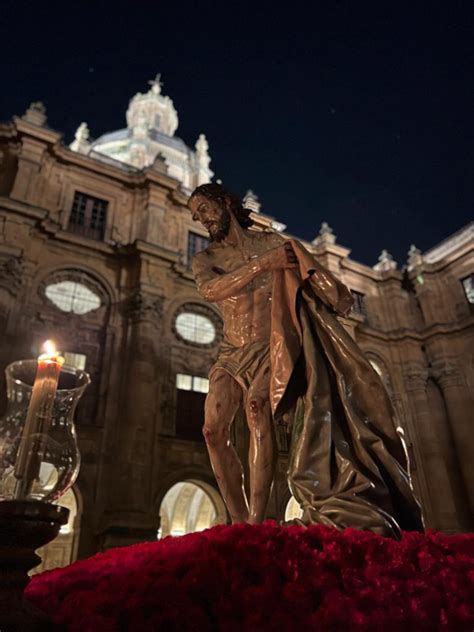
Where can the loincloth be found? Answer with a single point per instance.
(242, 363)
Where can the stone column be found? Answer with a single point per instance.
(131, 517)
(12, 281)
(438, 508)
(460, 406)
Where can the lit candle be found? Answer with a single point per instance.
(38, 419)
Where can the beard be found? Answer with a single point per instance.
(223, 227)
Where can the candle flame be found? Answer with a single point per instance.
(51, 353)
(49, 348)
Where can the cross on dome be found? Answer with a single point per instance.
(149, 140)
(156, 83)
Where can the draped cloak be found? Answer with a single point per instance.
(348, 466)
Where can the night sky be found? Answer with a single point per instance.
(358, 113)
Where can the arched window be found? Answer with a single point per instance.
(293, 510)
(62, 550)
(380, 368)
(375, 365)
(188, 507)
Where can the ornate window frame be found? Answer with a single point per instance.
(74, 275)
(200, 310)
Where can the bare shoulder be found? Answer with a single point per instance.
(268, 237)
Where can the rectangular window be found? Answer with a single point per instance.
(88, 216)
(192, 383)
(184, 382)
(75, 360)
(196, 243)
(359, 306)
(200, 384)
(468, 286)
(190, 397)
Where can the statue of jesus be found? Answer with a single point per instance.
(284, 350)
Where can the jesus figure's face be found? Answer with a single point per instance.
(212, 215)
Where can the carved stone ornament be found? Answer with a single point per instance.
(446, 372)
(415, 258)
(35, 114)
(385, 262)
(251, 201)
(415, 376)
(12, 274)
(325, 236)
(202, 148)
(81, 142)
(143, 306)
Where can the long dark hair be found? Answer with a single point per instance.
(217, 193)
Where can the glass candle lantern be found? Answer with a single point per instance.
(39, 461)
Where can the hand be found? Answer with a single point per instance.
(282, 257)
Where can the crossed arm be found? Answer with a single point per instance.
(216, 285)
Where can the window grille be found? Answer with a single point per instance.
(88, 216)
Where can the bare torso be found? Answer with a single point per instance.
(246, 315)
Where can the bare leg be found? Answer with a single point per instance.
(263, 452)
(222, 402)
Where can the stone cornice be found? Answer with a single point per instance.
(350, 265)
(7, 130)
(23, 209)
(130, 178)
(184, 272)
(155, 250)
(460, 239)
(73, 159)
(437, 329)
(336, 250)
(44, 134)
(51, 228)
(426, 268)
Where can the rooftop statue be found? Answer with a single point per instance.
(285, 352)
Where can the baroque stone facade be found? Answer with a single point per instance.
(96, 256)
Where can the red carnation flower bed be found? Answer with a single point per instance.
(268, 577)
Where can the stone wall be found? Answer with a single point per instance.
(417, 329)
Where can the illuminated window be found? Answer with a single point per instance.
(190, 397)
(188, 507)
(184, 382)
(468, 285)
(196, 243)
(376, 367)
(195, 328)
(88, 216)
(200, 384)
(70, 296)
(192, 383)
(293, 510)
(75, 360)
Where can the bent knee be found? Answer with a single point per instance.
(215, 434)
